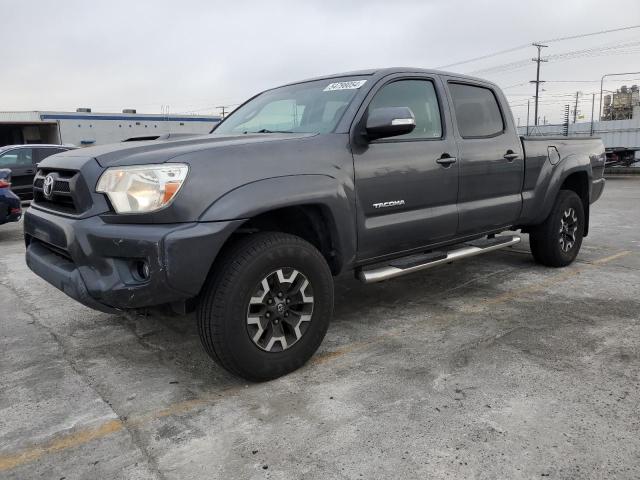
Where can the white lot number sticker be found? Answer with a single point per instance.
(344, 85)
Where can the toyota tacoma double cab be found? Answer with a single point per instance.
(379, 172)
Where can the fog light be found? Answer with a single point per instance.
(142, 269)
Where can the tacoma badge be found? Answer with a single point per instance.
(392, 203)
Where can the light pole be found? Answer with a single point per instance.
(601, 86)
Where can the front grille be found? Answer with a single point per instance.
(61, 197)
(61, 186)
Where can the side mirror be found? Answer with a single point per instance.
(389, 122)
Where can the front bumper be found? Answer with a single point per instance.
(97, 263)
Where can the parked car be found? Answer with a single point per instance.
(378, 172)
(10, 210)
(22, 161)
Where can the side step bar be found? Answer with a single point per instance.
(416, 263)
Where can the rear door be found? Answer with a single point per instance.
(406, 193)
(21, 163)
(490, 158)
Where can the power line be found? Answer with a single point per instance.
(489, 55)
(573, 81)
(557, 94)
(517, 85)
(612, 49)
(590, 81)
(582, 35)
(526, 45)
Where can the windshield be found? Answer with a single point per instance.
(311, 107)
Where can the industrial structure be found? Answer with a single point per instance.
(85, 128)
(622, 104)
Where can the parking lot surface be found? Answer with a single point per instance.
(493, 367)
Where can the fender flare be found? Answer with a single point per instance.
(254, 198)
(568, 166)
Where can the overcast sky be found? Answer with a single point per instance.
(194, 55)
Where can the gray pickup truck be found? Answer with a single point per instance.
(378, 172)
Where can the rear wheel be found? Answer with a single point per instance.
(267, 306)
(556, 242)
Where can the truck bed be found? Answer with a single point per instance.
(543, 156)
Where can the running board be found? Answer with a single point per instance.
(419, 262)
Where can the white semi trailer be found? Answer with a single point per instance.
(85, 128)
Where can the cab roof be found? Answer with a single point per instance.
(383, 72)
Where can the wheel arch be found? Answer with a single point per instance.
(313, 207)
(579, 183)
(312, 222)
(573, 173)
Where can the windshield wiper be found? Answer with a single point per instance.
(264, 130)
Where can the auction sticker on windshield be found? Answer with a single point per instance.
(352, 85)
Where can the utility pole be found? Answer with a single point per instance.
(223, 110)
(537, 81)
(575, 110)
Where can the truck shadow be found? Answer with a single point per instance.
(358, 307)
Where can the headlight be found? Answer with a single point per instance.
(142, 188)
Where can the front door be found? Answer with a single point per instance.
(407, 186)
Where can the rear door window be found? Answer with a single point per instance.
(477, 112)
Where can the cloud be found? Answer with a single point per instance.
(197, 54)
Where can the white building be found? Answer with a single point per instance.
(84, 128)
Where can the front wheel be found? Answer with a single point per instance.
(267, 306)
(556, 242)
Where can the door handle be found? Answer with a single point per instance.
(30, 171)
(511, 156)
(446, 160)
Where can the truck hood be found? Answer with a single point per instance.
(160, 151)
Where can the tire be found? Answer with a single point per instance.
(556, 242)
(234, 306)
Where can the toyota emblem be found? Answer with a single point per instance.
(47, 186)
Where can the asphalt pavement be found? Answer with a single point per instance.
(490, 368)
